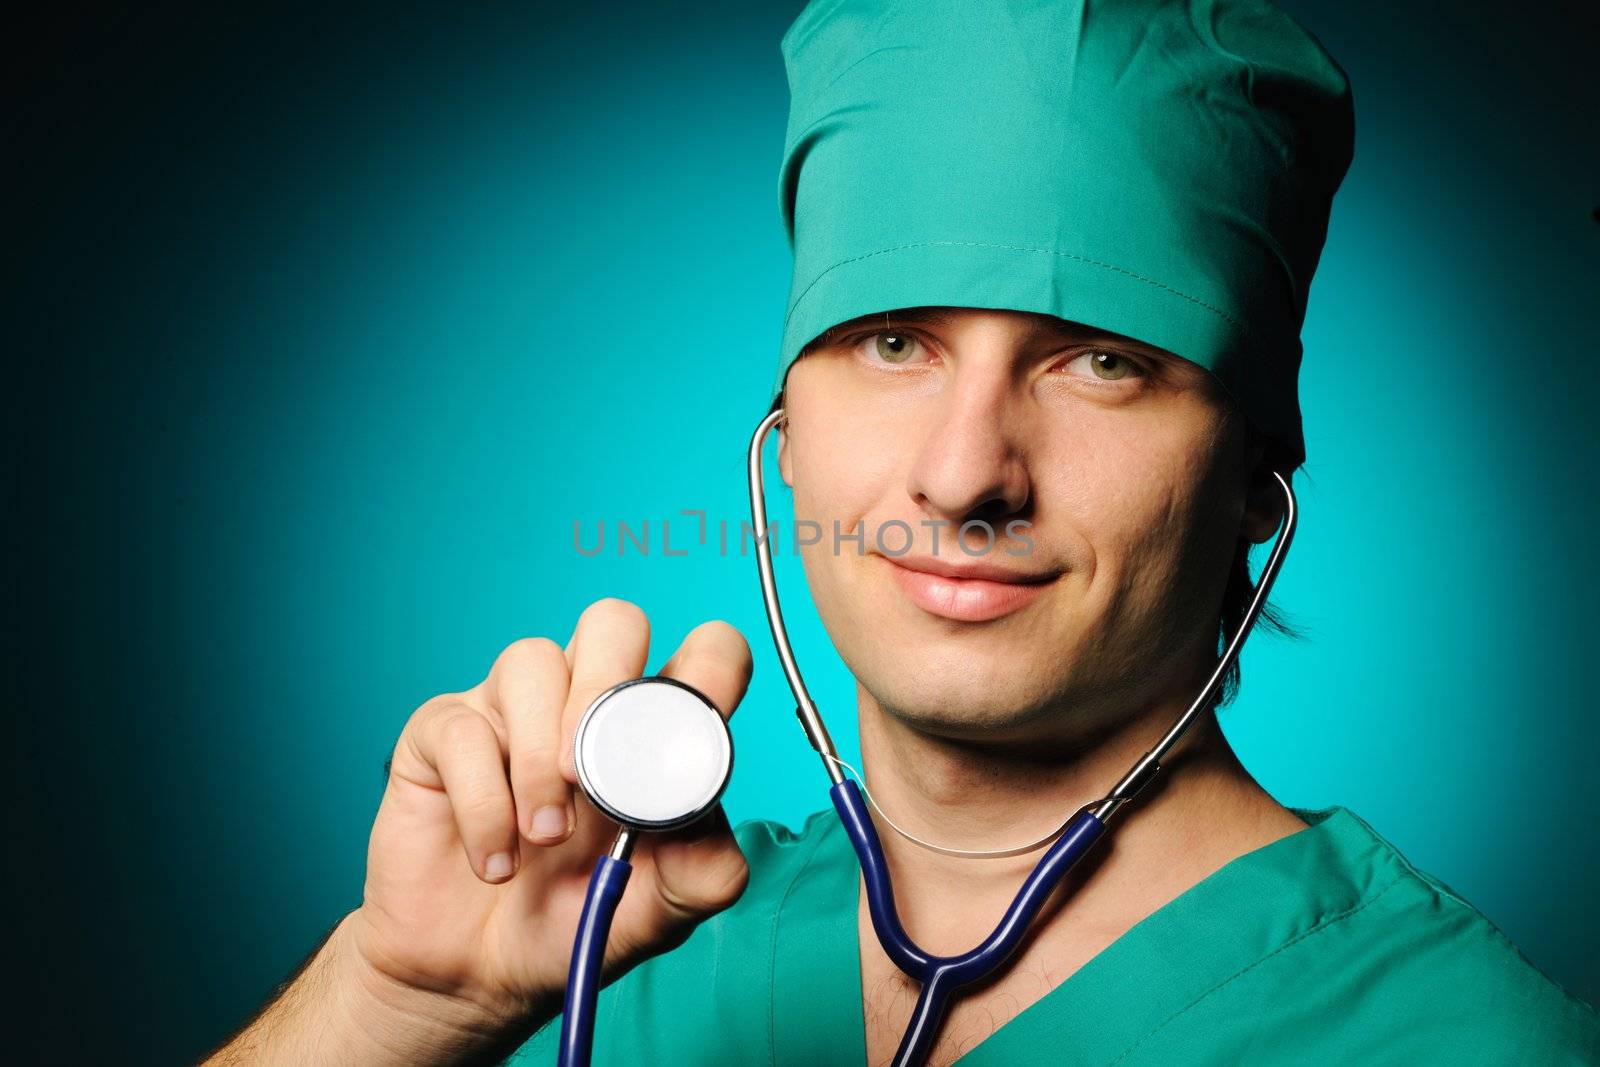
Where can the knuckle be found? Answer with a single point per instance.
(713, 891)
(421, 731)
(614, 611)
(429, 709)
(535, 750)
(720, 643)
(722, 633)
(460, 727)
(484, 808)
(723, 891)
(527, 653)
(679, 906)
(537, 769)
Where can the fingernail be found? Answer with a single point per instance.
(549, 821)
(498, 869)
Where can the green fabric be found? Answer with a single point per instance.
(1325, 947)
(1160, 170)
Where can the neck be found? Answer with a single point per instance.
(1203, 810)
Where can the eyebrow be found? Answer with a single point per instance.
(905, 316)
(1044, 326)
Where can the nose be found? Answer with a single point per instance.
(968, 465)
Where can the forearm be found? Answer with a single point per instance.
(339, 1009)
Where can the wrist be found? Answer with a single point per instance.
(385, 1019)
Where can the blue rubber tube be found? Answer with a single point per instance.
(588, 954)
(942, 976)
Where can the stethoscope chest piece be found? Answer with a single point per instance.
(653, 753)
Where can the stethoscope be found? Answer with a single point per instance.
(641, 787)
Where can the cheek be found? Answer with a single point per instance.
(828, 489)
(841, 466)
(841, 473)
(1150, 508)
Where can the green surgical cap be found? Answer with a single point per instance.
(1159, 170)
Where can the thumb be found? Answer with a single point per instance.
(699, 869)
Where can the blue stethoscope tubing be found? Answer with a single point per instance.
(941, 977)
(606, 884)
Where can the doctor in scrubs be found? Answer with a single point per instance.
(1051, 262)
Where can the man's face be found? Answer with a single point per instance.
(1111, 474)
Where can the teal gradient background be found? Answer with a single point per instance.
(327, 328)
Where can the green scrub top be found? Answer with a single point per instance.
(1324, 947)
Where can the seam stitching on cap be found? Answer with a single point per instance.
(1221, 314)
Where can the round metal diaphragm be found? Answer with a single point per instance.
(653, 753)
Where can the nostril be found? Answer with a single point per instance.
(989, 510)
(985, 526)
(998, 508)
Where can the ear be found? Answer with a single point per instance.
(785, 461)
(1263, 505)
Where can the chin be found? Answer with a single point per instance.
(962, 682)
(953, 699)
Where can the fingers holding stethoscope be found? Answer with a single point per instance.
(470, 880)
(451, 747)
(690, 873)
(699, 869)
(610, 644)
(528, 686)
(715, 659)
(502, 752)
(541, 692)
(538, 689)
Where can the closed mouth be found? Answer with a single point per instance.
(967, 590)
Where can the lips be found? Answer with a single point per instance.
(966, 590)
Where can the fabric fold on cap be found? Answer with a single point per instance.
(1163, 170)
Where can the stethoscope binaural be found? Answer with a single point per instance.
(940, 976)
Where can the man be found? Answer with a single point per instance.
(1051, 263)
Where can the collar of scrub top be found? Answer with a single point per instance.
(942, 976)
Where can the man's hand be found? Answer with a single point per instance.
(480, 858)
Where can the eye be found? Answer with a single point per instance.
(1105, 364)
(892, 346)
